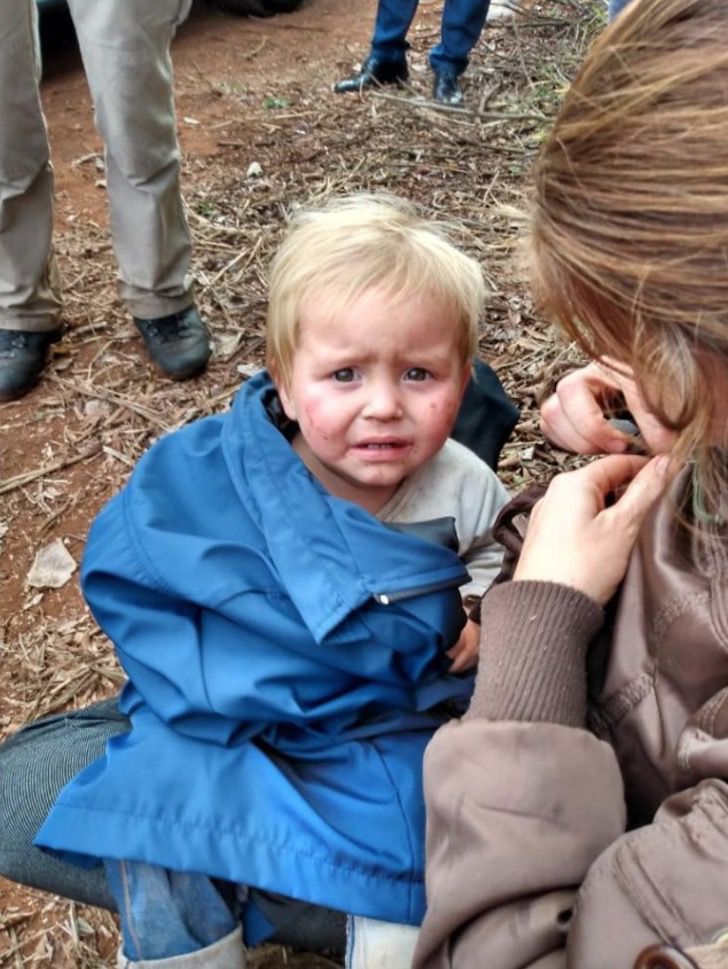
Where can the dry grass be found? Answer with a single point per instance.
(71, 446)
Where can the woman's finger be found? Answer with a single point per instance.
(640, 494)
(576, 538)
(611, 473)
(573, 417)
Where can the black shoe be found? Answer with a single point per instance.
(446, 89)
(179, 344)
(22, 357)
(374, 71)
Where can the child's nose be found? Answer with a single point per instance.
(384, 401)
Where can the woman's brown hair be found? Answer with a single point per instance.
(630, 224)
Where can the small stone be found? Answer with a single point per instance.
(53, 566)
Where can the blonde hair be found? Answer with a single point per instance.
(361, 243)
(630, 228)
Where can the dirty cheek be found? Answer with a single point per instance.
(443, 417)
(315, 419)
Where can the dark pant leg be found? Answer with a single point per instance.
(38, 761)
(462, 23)
(390, 28)
(34, 765)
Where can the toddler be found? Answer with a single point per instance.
(283, 586)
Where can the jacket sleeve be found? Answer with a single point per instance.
(517, 813)
(666, 881)
(156, 632)
(528, 864)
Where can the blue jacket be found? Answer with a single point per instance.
(285, 659)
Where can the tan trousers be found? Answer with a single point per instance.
(125, 49)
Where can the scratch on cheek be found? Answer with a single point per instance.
(314, 425)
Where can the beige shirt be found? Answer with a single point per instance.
(455, 482)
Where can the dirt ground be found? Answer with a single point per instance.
(260, 133)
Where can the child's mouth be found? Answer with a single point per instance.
(383, 448)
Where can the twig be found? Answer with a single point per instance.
(113, 397)
(18, 480)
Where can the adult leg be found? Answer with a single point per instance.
(126, 54)
(29, 304)
(37, 762)
(462, 24)
(393, 20)
(387, 61)
(34, 765)
(125, 50)
(27, 300)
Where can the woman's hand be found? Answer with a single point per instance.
(464, 654)
(574, 538)
(576, 417)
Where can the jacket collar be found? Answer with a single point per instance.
(332, 556)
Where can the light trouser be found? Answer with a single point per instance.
(174, 920)
(125, 50)
(462, 23)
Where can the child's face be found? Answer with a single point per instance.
(375, 392)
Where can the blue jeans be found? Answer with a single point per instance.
(615, 7)
(462, 23)
(166, 913)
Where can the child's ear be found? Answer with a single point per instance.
(282, 390)
(289, 408)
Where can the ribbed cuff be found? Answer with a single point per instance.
(532, 654)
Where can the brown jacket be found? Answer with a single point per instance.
(529, 865)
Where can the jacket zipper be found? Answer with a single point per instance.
(389, 598)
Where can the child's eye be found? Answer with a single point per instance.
(344, 376)
(416, 373)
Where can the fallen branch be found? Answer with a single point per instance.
(18, 480)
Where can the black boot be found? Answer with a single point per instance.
(374, 71)
(179, 344)
(22, 357)
(446, 88)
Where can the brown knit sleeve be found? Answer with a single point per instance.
(534, 638)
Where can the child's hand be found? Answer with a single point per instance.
(576, 416)
(464, 654)
(576, 539)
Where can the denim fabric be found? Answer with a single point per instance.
(169, 915)
(616, 6)
(462, 22)
(390, 28)
(166, 913)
